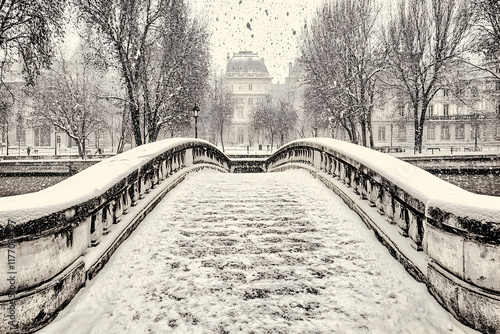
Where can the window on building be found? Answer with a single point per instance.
(446, 92)
(240, 88)
(250, 87)
(431, 132)
(42, 136)
(402, 133)
(401, 111)
(250, 101)
(430, 110)
(497, 85)
(446, 109)
(445, 131)
(239, 112)
(460, 131)
(381, 133)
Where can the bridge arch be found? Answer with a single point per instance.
(57, 239)
(445, 237)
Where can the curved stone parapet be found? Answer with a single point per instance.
(454, 234)
(53, 240)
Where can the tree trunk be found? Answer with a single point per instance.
(121, 145)
(133, 105)
(136, 124)
(420, 130)
(353, 130)
(153, 133)
(81, 147)
(418, 137)
(369, 125)
(349, 132)
(363, 132)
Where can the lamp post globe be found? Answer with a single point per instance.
(196, 112)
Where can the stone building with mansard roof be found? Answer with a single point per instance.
(248, 79)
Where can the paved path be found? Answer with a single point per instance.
(252, 253)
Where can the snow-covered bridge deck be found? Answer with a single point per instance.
(253, 253)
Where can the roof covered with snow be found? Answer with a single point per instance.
(246, 62)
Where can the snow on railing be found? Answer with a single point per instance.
(45, 235)
(458, 230)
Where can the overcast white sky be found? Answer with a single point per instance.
(268, 27)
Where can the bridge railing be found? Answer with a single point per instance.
(458, 231)
(51, 241)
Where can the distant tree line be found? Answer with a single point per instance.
(352, 49)
(158, 52)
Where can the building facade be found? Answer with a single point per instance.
(462, 120)
(248, 79)
(23, 130)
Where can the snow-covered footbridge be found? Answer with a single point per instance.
(284, 252)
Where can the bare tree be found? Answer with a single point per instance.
(177, 69)
(160, 51)
(340, 58)
(28, 32)
(220, 108)
(7, 100)
(67, 97)
(487, 22)
(422, 38)
(275, 118)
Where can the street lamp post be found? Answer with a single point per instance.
(196, 111)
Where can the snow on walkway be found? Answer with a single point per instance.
(252, 253)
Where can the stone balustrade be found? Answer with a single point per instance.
(454, 235)
(54, 240)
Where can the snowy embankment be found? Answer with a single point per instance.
(253, 253)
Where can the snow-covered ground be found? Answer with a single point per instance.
(253, 253)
